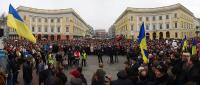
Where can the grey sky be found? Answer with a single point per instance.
(100, 14)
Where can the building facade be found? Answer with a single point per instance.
(198, 26)
(100, 34)
(90, 32)
(111, 32)
(172, 21)
(61, 24)
(3, 26)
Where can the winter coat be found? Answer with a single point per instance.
(75, 81)
(62, 77)
(27, 72)
(121, 82)
(52, 80)
(98, 77)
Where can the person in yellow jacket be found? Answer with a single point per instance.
(84, 58)
(51, 59)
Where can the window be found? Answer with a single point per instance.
(58, 29)
(175, 24)
(33, 29)
(52, 29)
(67, 29)
(167, 16)
(184, 25)
(125, 27)
(154, 18)
(131, 18)
(167, 26)
(45, 20)
(51, 20)
(176, 34)
(58, 20)
(160, 17)
(140, 18)
(45, 29)
(188, 26)
(39, 20)
(160, 26)
(154, 26)
(181, 24)
(147, 27)
(147, 18)
(39, 29)
(33, 19)
(131, 27)
(67, 19)
(175, 15)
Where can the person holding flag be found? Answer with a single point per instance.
(15, 21)
(143, 44)
(194, 46)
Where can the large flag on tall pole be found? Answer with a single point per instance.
(184, 44)
(194, 47)
(15, 21)
(143, 44)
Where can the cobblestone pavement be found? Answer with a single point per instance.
(88, 71)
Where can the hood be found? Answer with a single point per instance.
(122, 74)
(76, 81)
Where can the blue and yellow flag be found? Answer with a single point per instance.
(143, 44)
(184, 44)
(194, 47)
(15, 21)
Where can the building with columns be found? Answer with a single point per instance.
(172, 21)
(60, 24)
(198, 26)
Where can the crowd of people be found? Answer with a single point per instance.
(168, 63)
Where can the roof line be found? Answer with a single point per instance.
(52, 11)
(163, 8)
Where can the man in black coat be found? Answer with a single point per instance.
(61, 75)
(99, 76)
(111, 53)
(162, 77)
(116, 52)
(100, 54)
(133, 72)
(122, 79)
(180, 69)
(27, 73)
(15, 69)
(193, 73)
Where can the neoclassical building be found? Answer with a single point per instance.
(60, 24)
(172, 21)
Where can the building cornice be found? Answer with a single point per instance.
(50, 12)
(155, 10)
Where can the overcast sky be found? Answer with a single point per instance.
(100, 14)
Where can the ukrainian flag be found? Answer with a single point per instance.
(15, 21)
(143, 44)
(194, 47)
(184, 44)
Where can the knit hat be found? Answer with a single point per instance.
(76, 81)
(162, 68)
(122, 74)
(75, 73)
